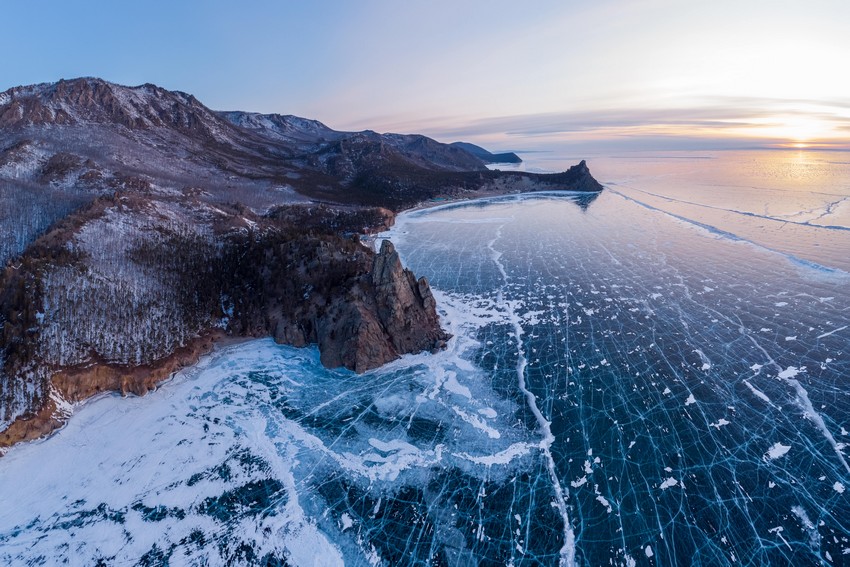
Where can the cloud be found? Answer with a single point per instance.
(715, 120)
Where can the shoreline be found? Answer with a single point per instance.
(426, 205)
(81, 385)
(77, 385)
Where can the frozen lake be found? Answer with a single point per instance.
(656, 375)
(793, 202)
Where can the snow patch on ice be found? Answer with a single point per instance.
(758, 393)
(777, 450)
(604, 501)
(515, 451)
(488, 412)
(789, 372)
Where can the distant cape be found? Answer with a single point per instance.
(487, 156)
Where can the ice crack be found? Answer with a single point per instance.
(568, 549)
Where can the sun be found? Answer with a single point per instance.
(800, 130)
(792, 131)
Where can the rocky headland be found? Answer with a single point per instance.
(141, 228)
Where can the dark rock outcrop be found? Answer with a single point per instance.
(405, 304)
(576, 178)
(386, 314)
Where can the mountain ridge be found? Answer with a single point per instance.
(487, 156)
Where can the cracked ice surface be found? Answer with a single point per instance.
(678, 416)
(619, 391)
(261, 454)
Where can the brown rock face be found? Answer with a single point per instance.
(79, 383)
(389, 313)
(405, 305)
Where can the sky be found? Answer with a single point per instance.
(607, 74)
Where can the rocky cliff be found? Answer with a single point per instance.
(118, 296)
(387, 313)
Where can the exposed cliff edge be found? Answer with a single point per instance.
(140, 227)
(387, 313)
